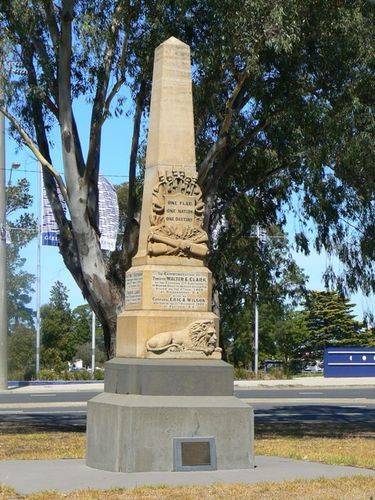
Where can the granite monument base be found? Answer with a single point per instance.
(168, 415)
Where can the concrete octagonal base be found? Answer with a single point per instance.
(135, 433)
(169, 377)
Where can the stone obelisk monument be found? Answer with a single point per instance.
(168, 402)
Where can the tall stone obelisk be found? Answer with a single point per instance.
(168, 288)
(168, 402)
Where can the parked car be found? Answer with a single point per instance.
(316, 367)
(272, 363)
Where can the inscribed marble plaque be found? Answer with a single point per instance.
(133, 288)
(180, 290)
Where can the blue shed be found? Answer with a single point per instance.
(349, 362)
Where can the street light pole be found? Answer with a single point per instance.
(3, 264)
(38, 271)
(92, 344)
(256, 315)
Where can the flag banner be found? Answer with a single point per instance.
(50, 230)
(8, 237)
(108, 217)
(108, 214)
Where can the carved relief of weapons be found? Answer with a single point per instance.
(158, 245)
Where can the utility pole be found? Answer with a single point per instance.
(260, 235)
(3, 264)
(38, 271)
(256, 313)
(92, 344)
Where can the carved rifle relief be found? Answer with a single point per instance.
(177, 215)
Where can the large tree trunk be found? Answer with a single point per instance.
(102, 296)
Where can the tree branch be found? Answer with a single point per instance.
(120, 81)
(51, 22)
(233, 106)
(134, 148)
(131, 229)
(69, 135)
(33, 43)
(240, 193)
(27, 60)
(101, 91)
(30, 144)
(64, 64)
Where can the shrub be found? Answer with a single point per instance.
(241, 373)
(99, 374)
(80, 375)
(277, 373)
(49, 374)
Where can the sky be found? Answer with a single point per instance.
(116, 141)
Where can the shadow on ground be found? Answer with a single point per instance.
(315, 421)
(35, 423)
(298, 421)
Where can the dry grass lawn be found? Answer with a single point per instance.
(339, 444)
(360, 487)
(332, 444)
(358, 452)
(346, 445)
(42, 445)
(355, 451)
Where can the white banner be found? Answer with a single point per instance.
(50, 230)
(8, 237)
(108, 214)
(108, 217)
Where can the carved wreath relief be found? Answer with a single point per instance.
(198, 336)
(177, 215)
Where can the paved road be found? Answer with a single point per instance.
(46, 397)
(253, 394)
(271, 406)
(308, 393)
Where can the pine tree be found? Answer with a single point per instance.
(56, 329)
(331, 322)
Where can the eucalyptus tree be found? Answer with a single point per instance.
(282, 91)
(22, 229)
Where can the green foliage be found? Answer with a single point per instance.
(52, 359)
(57, 328)
(290, 335)
(66, 333)
(99, 374)
(296, 336)
(18, 196)
(59, 297)
(283, 94)
(241, 373)
(49, 374)
(330, 322)
(77, 375)
(61, 374)
(21, 353)
(81, 317)
(273, 374)
(22, 230)
(20, 291)
(84, 352)
(278, 279)
(21, 339)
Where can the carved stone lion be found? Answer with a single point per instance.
(198, 336)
